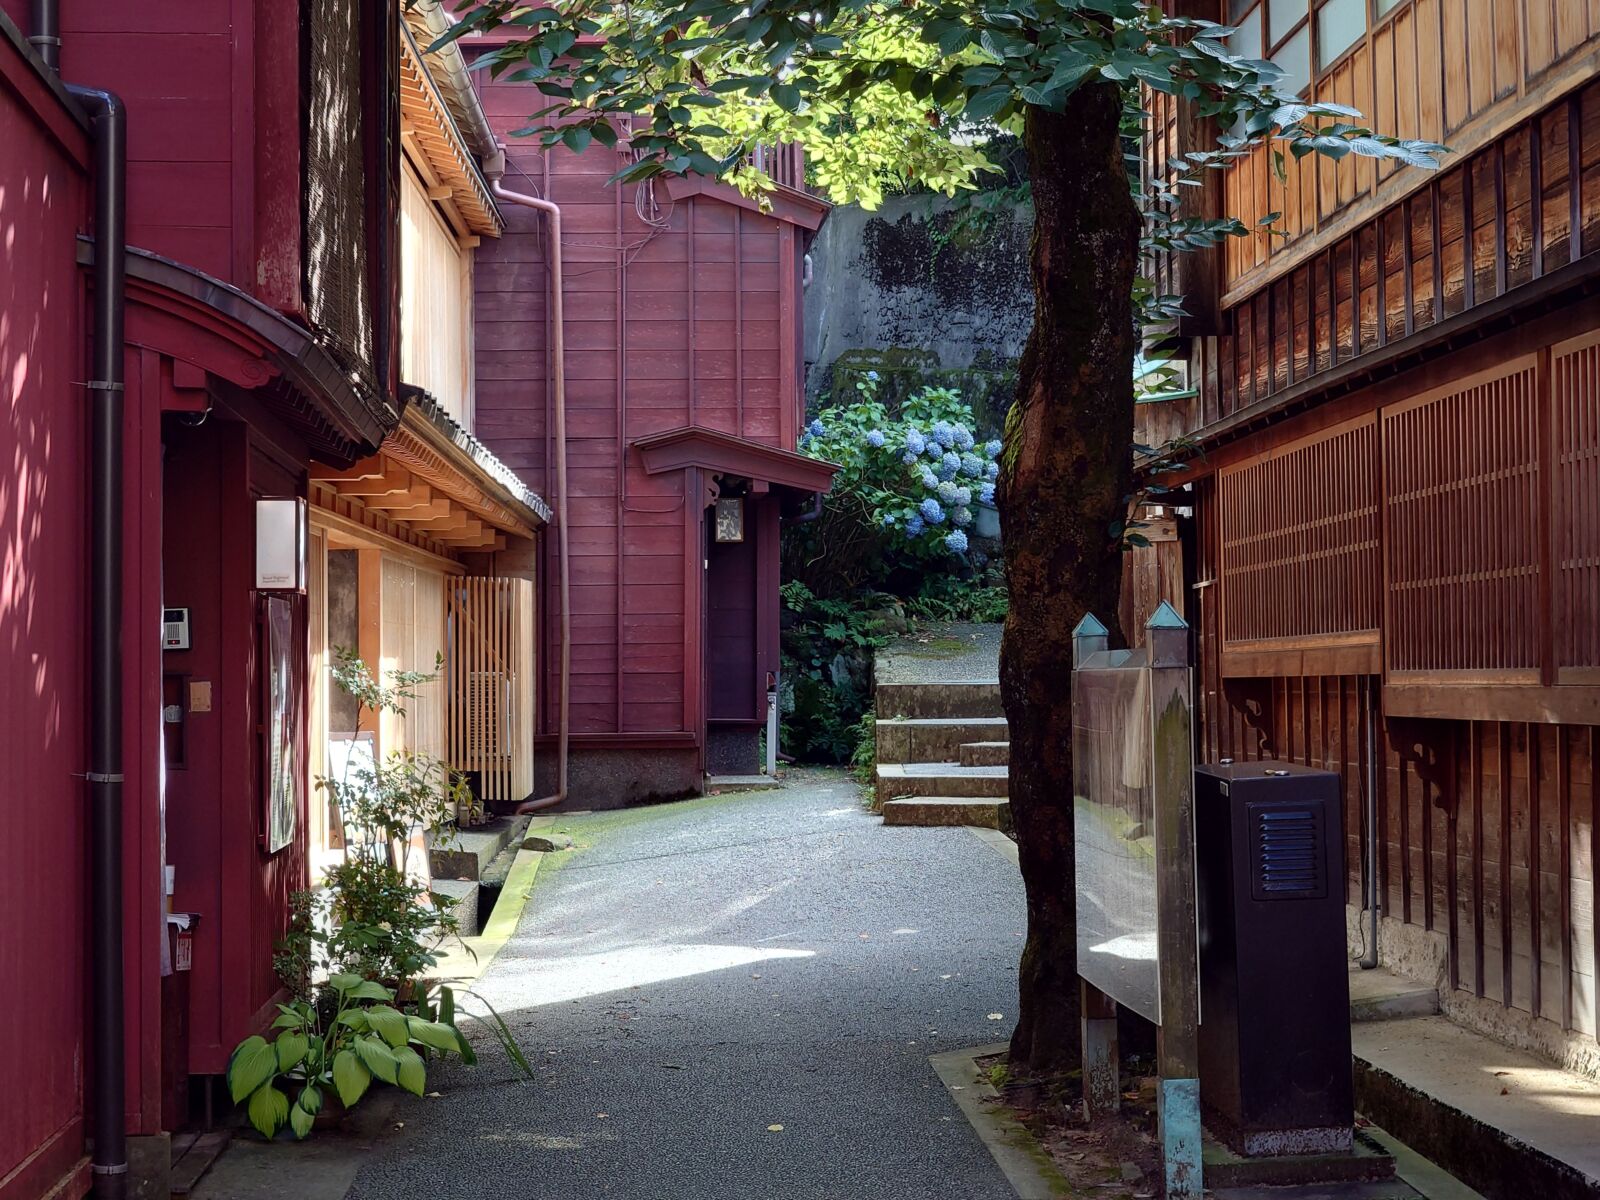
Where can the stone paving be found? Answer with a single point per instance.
(731, 997)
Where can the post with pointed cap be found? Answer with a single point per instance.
(1172, 801)
(1088, 637)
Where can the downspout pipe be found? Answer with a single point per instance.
(108, 123)
(494, 170)
(1369, 959)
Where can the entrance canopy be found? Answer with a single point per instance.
(724, 454)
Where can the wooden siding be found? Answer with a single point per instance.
(43, 615)
(684, 318)
(1450, 71)
(1520, 210)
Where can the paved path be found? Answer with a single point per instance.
(940, 651)
(695, 973)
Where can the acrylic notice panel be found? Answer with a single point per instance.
(1115, 830)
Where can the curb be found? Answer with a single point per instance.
(1016, 1152)
(465, 965)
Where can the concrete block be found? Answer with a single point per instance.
(984, 754)
(933, 739)
(931, 811)
(940, 779)
(959, 698)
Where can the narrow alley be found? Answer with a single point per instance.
(691, 976)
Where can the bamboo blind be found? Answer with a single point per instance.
(1461, 472)
(412, 640)
(490, 683)
(1299, 532)
(1575, 391)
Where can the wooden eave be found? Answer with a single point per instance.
(431, 133)
(723, 453)
(785, 203)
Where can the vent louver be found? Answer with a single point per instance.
(1286, 852)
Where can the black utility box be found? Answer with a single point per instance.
(1274, 986)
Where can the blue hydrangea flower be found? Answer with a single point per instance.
(872, 375)
(915, 442)
(986, 494)
(992, 471)
(931, 511)
(963, 495)
(956, 542)
(992, 448)
(875, 438)
(949, 465)
(908, 458)
(914, 525)
(971, 465)
(963, 438)
(944, 433)
(817, 428)
(947, 492)
(961, 516)
(888, 520)
(935, 451)
(928, 478)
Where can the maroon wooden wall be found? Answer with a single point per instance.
(42, 623)
(689, 318)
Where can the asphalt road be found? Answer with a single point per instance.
(692, 975)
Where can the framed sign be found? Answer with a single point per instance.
(282, 764)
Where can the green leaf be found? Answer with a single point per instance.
(434, 1035)
(343, 983)
(350, 1078)
(389, 1024)
(301, 1121)
(253, 1063)
(268, 1110)
(576, 137)
(291, 1048)
(376, 1057)
(370, 989)
(410, 1072)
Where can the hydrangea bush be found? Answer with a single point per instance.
(907, 483)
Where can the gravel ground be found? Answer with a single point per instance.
(941, 651)
(692, 975)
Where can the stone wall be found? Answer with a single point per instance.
(921, 296)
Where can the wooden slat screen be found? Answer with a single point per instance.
(1299, 536)
(1575, 392)
(490, 680)
(1462, 489)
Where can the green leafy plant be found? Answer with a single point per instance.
(289, 1080)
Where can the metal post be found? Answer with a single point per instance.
(1172, 799)
(772, 727)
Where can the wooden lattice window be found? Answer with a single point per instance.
(1299, 539)
(1462, 519)
(1575, 392)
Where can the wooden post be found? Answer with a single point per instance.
(1172, 799)
(1102, 1063)
(1088, 637)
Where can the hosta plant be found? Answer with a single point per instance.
(337, 1050)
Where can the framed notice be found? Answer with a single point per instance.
(282, 771)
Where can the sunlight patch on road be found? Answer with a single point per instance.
(530, 984)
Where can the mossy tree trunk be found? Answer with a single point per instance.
(1066, 471)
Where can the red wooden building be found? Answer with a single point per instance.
(683, 386)
(261, 217)
(1389, 546)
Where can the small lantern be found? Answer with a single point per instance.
(730, 518)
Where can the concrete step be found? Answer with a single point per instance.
(940, 779)
(1380, 995)
(465, 853)
(1500, 1120)
(955, 698)
(985, 813)
(985, 754)
(460, 901)
(932, 739)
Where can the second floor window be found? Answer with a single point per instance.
(1303, 37)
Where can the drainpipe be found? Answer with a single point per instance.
(1369, 960)
(494, 169)
(108, 123)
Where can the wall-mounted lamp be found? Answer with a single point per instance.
(730, 518)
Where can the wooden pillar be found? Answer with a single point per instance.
(369, 623)
(1199, 272)
(1102, 1074)
(1172, 799)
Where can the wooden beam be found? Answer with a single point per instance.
(393, 481)
(418, 495)
(370, 467)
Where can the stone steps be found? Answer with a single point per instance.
(466, 852)
(940, 779)
(983, 812)
(984, 754)
(932, 739)
(954, 698)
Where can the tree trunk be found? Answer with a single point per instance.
(1065, 476)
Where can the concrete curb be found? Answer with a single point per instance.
(465, 964)
(1016, 1152)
